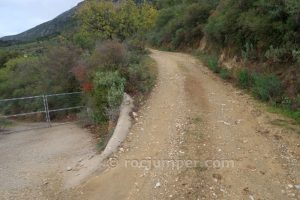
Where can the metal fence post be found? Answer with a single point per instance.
(47, 109)
(46, 106)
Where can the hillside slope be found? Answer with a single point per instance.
(61, 23)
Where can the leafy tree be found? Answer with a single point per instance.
(106, 20)
(5, 56)
(180, 23)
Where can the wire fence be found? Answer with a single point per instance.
(27, 113)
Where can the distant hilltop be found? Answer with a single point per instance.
(61, 23)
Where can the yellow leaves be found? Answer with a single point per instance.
(148, 16)
(107, 20)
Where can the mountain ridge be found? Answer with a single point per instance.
(59, 24)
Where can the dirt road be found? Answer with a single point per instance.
(37, 164)
(198, 137)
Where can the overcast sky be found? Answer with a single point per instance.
(17, 16)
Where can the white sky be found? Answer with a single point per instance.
(17, 16)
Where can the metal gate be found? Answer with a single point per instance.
(41, 106)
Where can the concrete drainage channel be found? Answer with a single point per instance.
(120, 133)
(122, 128)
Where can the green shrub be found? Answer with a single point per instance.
(287, 112)
(296, 105)
(244, 79)
(255, 26)
(84, 40)
(267, 87)
(179, 38)
(213, 64)
(180, 23)
(248, 52)
(109, 55)
(140, 79)
(296, 56)
(137, 44)
(5, 56)
(298, 99)
(224, 73)
(4, 123)
(276, 55)
(107, 96)
(286, 102)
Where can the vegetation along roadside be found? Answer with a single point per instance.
(254, 44)
(103, 57)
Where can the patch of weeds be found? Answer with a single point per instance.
(210, 60)
(267, 87)
(213, 64)
(244, 78)
(286, 112)
(282, 123)
(4, 123)
(200, 55)
(225, 73)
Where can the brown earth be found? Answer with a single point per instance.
(37, 164)
(198, 137)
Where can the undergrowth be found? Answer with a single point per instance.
(265, 87)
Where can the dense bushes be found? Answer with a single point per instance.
(107, 95)
(262, 34)
(255, 30)
(244, 78)
(267, 87)
(116, 63)
(225, 73)
(270, 27)
(109, 55)
(112, 69)
(104, 20)
(5, 56)
(4, 123)
(104, 58)
(50, 73)
(38, 75)
(21, 77)
(140, 78)
(180, 24)
(213, 64)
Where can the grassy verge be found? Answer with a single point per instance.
(285, 112)
(4, 123)
(265, 87)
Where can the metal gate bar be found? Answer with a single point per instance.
(46, 110)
